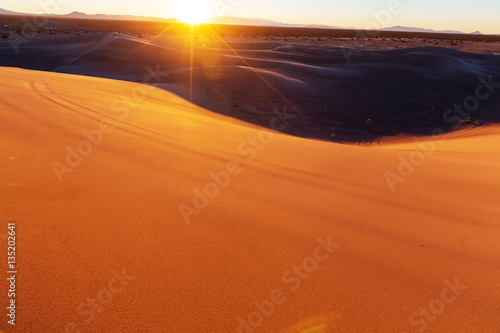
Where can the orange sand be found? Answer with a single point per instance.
(119, 210)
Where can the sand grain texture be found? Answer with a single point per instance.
(119, 209)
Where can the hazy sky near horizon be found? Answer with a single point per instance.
(463, 15)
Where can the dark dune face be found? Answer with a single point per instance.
(364, 96)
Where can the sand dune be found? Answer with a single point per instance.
(423, 257)
(343, 95)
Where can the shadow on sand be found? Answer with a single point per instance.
(375, 94)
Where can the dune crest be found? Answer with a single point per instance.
(310, 226)
(404, 91)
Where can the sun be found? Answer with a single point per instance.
(193, 11)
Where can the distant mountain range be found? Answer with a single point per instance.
(262, 22)
(112, 17)
(80, 15)
(414, 29)
(230, 21)
(8, 12)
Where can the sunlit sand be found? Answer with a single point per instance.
(192, 178)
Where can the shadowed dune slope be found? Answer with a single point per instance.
(117, 213)
(344, 95)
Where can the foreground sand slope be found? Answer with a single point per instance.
(394, 254)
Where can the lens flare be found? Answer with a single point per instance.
(193, 11)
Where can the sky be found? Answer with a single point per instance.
(461, 15)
